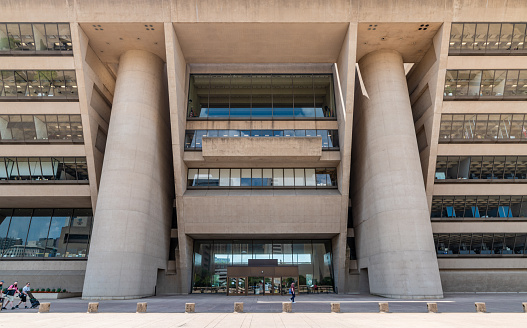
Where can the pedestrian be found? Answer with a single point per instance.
(2, 292)
(23, 295)
(10, 295)
(292, 291)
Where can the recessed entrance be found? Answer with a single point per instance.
(261, 277)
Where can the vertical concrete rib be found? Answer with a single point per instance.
(131, 226)
(392, 222)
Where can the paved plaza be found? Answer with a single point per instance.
(456, 310)
(305, 303)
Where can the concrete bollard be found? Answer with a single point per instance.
(238, 307)
(383, 308)
(335, 307)
(190, 307)
(524, 307)
(141, 307)
(432, 307)
(480, 307)
(287, 307)
(93, 307)
(44, 307)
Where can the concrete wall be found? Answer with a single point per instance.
(67, 275)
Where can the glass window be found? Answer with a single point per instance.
(37, 240)
(4, 38)
(240, 96)
(192, 179)
(198, 98)
(224, 177)
(52, 35)
(203, 177)
(505, 126)
(481, 36)
(65, 37)
(441, 167)
(324, 135)
(17, 234)
(278, 177)
(235, 178)
(493, 36)
(5, 220)
(262, 91)
(13, 32)
(517, 130)
(58, 230)
(267, 180)
(299, 178)
(256, 177)
(511, 83)
(282, 96)
(506, 36)
(450, 83)
(455, 36)
(474, 82)
(493, 127)
(324, 96)
(214, 177)
(245, 178)
(522, 83)
(519, 244)
(39, 33)
(79, 234)
(303, 96)
(463, 78)
(446, 127)
(310, 178)
(289, 177)
(499, 83)
(469, 31)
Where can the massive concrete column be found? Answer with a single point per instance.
(130, 239)
(392, 221)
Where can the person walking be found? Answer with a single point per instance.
(292, 292)
(23, 295)
(2, 292)
(10, 295)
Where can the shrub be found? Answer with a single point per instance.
(59, 290)
(64, 290)
(32, 290)
(47, 290)
(53, 290)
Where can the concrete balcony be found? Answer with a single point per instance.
(262, 149)
(45, 195)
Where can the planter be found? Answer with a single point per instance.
(54, 296)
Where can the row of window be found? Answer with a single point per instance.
(486, 84)
(43, 168)
(482, 128)
(479, 206)
(40, 127)
(28, 38)
(22, 84)
(481, 167)
(263, 178)
(489, 38)
(480, 243)
(193, 138)
(45, 233)
(261, 96)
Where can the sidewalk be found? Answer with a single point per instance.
(264, 320)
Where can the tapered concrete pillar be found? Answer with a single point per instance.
(392, 222)
(130, 239)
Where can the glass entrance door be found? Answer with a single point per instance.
(277, 285)
(268, 286)
(237, 286)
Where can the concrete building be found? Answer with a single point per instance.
(185, 146)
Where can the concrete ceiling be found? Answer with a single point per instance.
(111, 40)
(412, 40)
(261, 42)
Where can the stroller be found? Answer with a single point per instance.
(34, 302)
